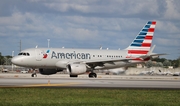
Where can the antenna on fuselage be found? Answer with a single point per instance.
(48, 42)
(36, 46)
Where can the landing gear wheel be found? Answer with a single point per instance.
(92, 75)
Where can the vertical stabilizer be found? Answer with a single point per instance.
(142, 43)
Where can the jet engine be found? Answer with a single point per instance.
(76, 69)
(48, 71)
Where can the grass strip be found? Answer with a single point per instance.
(88, 97)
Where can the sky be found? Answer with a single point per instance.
(89, 24)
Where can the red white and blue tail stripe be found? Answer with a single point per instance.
(142, 43)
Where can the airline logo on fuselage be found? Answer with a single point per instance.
(45, 55)
(73, 55)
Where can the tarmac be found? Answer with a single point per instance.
(83, 81)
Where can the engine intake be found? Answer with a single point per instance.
(76, 69)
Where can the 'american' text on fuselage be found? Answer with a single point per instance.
(72, 55)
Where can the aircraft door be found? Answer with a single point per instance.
(39, 55)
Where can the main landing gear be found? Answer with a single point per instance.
(92, 75)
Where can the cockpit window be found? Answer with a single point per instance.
(23, 53)
(20, 54)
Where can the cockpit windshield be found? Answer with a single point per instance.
(23, 53)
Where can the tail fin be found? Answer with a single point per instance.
(142, 43)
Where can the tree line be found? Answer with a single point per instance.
(5, 60)
(163, 62)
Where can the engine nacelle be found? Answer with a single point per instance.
(76, 69)
(48, 71)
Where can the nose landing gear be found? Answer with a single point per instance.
(34, 74)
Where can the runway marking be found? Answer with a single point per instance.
(48, 84)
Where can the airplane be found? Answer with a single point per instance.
(79, 61)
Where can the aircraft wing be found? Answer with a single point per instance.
(95, 63)
(152, 55)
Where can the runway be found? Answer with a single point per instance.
(103, 81)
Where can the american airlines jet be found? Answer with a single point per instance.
(79, 61)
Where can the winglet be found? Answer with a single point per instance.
(151, 50)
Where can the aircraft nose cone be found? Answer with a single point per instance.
(15, 60)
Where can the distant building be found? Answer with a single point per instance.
(170, 67)
(139, 66)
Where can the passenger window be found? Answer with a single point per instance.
(28, 54)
